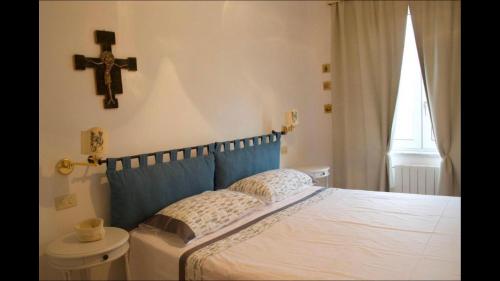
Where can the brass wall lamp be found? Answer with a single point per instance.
(94, 142)
(291, 121)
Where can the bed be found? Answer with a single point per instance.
(317, 233)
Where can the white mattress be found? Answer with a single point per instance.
(350, 234)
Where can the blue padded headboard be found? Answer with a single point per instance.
(138, 193)
(258, 154)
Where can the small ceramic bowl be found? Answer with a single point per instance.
(90, 230)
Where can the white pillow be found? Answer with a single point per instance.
(273, 185)
(204, 213)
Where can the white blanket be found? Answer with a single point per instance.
(345, 234)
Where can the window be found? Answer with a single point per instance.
(412, 129)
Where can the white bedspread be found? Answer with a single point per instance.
(350, 234)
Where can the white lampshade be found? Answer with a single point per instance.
(292, 118)
(94, 141)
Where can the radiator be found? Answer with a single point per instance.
(415, 179)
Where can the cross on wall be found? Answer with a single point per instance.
(107, 68)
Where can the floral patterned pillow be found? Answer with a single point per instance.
(274, 185)
(204, 213)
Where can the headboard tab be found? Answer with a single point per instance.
(111, 164)
(255, 141)
(126, 162)
(237, 144)
(278, 135)
(173, 154)
(143, 160)
(158, 157)
(199, 151)
(187, 153)
(211, 148)
(227, 145)
(218, 146)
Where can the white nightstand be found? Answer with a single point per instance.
(67, 253)
(317, 172)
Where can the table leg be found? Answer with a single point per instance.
(85, 274)
(127, 268)
(67, 275)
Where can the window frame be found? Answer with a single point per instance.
(423, 133)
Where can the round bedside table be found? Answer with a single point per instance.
(317, 172)
(67, 253)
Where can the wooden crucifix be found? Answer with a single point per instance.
(107, 68)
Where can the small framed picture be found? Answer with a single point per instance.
(327, 85)
(328, 108)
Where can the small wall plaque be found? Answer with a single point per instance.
(328, 108)
(327, 85)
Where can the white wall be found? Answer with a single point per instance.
(207, 71)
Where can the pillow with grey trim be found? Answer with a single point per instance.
(274, 185)
(204, 213)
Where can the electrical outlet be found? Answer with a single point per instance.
(65, 201)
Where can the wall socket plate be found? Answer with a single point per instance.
(65, 201)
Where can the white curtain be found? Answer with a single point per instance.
(367, 51)
(437, 34)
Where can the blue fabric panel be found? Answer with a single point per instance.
(138, 193)
(231, 166)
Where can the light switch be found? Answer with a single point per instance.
(325, 68)
(65, 201)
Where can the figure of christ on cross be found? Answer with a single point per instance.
(108, 60)
(107, 68)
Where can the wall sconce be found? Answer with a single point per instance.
(94, 142)
(292, 120)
